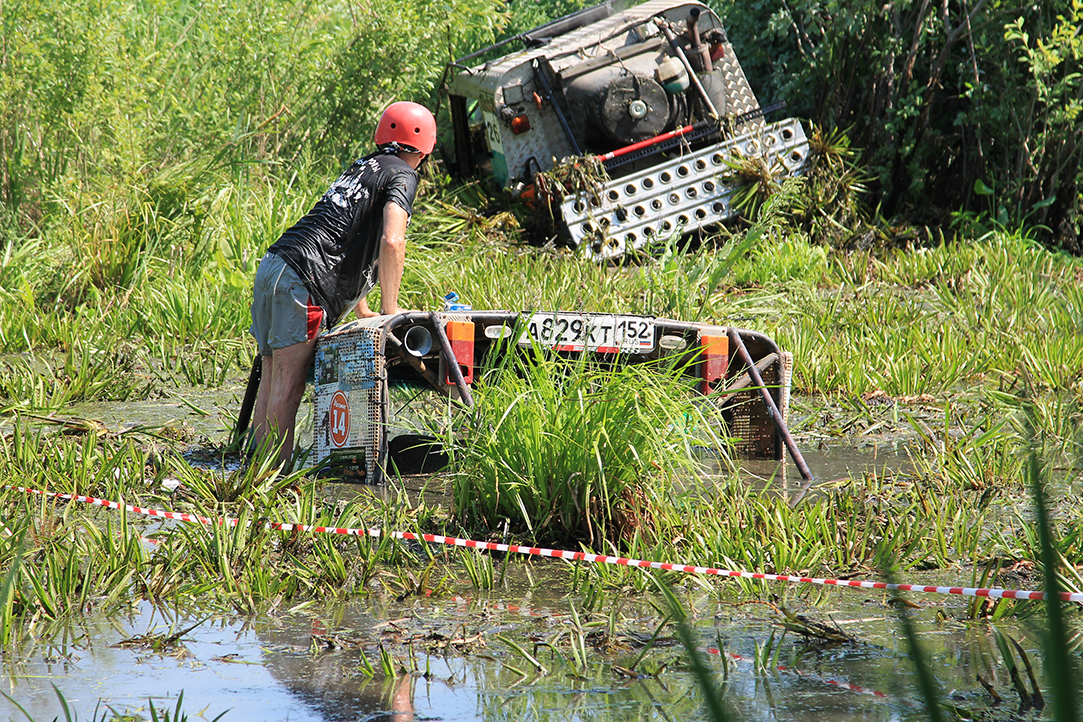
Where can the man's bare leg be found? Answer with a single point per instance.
(286, 386)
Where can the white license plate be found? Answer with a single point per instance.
(591, 332)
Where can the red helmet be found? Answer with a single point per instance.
(407, 124)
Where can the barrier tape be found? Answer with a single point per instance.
(991, 593)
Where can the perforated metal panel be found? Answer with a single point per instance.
(348, 410)
(688, 192)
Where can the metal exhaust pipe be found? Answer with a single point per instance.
(417, 341)
(700, 51)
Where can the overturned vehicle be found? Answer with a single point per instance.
(626, 125)
(375, 378)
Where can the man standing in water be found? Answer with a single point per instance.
(325, 265)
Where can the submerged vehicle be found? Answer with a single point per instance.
(371, 375)
(627, 125)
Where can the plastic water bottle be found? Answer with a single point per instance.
(451, 303)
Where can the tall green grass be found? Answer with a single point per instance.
(176, 714)
(80, 554)
(147, 168)
(571, 450)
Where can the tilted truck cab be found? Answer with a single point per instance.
(651, 93)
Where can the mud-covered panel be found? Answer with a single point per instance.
(347, 413)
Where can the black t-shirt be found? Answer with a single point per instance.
(336, 246)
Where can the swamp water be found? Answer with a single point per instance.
(455, 658)
(536, 647)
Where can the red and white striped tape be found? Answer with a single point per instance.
(992, 593)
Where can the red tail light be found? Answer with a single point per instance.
(715, 351)
(461, 336)
(520, 124)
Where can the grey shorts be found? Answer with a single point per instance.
(283, 313)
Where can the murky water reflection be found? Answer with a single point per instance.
(308, 665)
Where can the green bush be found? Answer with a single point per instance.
(968, 107)
(122, 126)
(572, 450)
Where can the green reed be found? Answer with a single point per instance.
(14, 558)
(479, 568)
(86, 460)
(82, 554)
(1061, 665)
(713, 693)
(925, 321)
(65, 564)
(210, 364)
(996, 306)
(254, 483)
(932, 519)
(39, 383)
(915, 522)
(176, 714)
(571, 450)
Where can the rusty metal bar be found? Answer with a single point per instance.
(772, 407)
(746, 378)
(699, 49)
(452, 363)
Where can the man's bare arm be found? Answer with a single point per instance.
(392, 257)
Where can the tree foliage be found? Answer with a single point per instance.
(966, 106)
